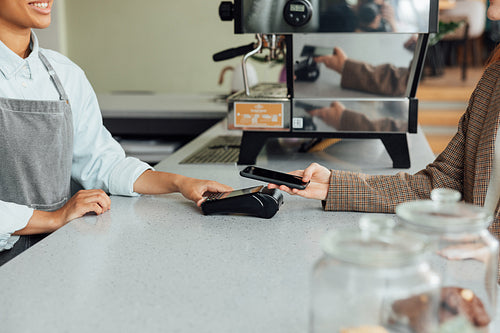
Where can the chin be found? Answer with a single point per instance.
(42, 25)
(493, 14)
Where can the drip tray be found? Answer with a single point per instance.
(223, 149)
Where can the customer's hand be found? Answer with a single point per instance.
(319, 178)
(333, 61)
(331, 115)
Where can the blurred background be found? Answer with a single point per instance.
(151, 45)
(158, 46)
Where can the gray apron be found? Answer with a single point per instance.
(36, 154)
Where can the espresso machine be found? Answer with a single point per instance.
(383, 44)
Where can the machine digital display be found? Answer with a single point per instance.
(297, 8)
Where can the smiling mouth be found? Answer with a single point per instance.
(41, 5)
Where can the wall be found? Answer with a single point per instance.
(153, 45)
(54, 36)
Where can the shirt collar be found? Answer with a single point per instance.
(10, 62)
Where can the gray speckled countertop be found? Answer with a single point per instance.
(155, 264)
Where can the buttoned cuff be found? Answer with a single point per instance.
(340, 190)
(327, 202)
(124, 175)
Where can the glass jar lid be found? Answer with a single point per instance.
(445, 213)
(376, 243)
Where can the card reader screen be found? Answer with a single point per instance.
(236, 193)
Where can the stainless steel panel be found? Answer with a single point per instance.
(359, 116)
(406, 16)
(261, 94)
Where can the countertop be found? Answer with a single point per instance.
(156, 264)
(158, 106)
(168, 116)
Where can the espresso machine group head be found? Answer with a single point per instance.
(381, 46)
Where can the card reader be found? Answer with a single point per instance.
(256, 201)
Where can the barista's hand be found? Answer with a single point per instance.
(331, 115)
(83, 202)
(158, 182)
(334, 61)
(319, 178)
(194, 189)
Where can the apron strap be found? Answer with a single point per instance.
(54, 77)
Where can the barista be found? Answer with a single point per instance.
(51, 132)
(470, 163)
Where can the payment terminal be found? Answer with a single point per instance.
(256, 201)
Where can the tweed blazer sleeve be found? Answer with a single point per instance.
(351, 191)
(386, 79)
(355, 121)
(465, 164)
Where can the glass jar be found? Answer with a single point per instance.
(465, 254)
(374, 279)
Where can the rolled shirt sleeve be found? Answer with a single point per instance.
(99, 161)
(124, 175)
(14, 217)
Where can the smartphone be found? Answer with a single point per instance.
(306, 106)
(274, 177)
(315, 51)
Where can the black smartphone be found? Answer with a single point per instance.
(315, 51)
(306, 106)
(274, 177)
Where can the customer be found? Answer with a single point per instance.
(339, 117)
(51, 132)
(469, 164)
(384, 79)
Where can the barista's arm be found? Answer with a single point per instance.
(157, 182)
(83, 202)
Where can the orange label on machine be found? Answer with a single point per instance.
(258, 115)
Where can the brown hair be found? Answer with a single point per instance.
(494, 57)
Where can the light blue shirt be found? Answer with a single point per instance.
(99, 162)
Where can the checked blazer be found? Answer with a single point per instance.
(465, 165)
